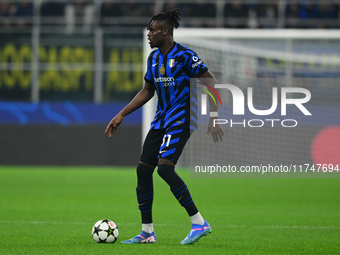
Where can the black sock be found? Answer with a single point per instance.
(178, 188)
(145, 192)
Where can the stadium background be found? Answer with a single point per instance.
(67, 67)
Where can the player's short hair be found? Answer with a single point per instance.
(170, 18)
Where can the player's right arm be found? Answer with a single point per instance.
(143, 96)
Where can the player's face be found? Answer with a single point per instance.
(155, 35)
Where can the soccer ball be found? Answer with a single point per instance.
(105, 231)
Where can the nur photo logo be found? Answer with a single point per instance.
(242, 105)
(204, 96)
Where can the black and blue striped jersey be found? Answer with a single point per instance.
(170, 74)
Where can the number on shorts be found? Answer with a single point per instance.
(166, 138)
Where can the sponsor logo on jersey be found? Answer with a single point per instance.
(196, 64)
(164, 79)
(195, 59)
(167, 81)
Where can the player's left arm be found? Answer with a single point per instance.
(215, 130)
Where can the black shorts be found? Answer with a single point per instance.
(164, 143)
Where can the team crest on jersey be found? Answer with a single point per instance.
(171, 62)
(162, 70)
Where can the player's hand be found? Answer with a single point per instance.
(215, 131)
(113, 125)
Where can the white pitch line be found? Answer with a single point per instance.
(180, 225)
(284, 227)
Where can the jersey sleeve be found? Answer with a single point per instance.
(195, 66)
(148, 75)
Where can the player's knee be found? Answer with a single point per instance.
(151, 167)
(164, 161)
(144, 172)
(165, 170)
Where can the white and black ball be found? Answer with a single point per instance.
(105, 231)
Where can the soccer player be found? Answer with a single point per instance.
(170, 68)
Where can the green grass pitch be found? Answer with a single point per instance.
(51, 210)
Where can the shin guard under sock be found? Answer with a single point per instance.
(145, 192)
